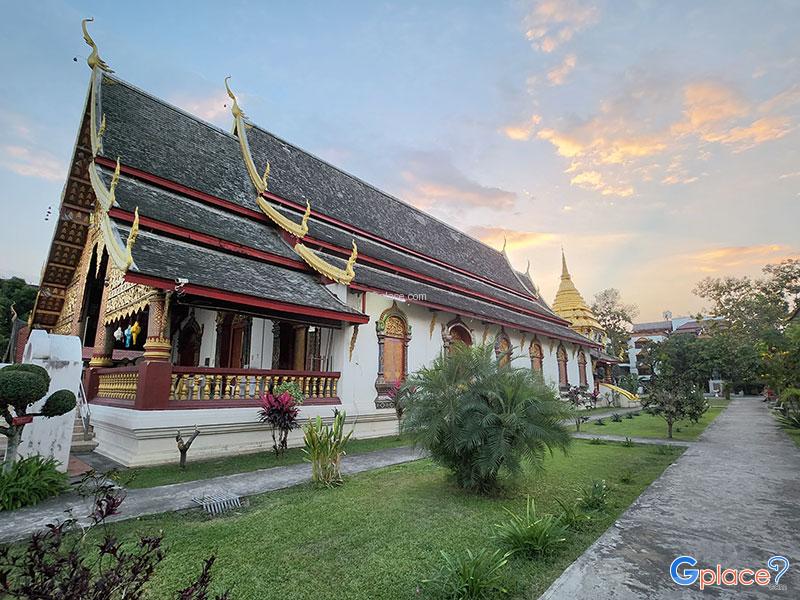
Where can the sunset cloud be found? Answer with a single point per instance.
(213, 108)
(514, 240)
(558, 75)
(551, 23)
(28, 162)
(727, 258)
(523, 131)
(430, 180)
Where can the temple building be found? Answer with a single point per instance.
(201, 267)
(570, 305)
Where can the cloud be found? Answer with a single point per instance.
(430, 180)
(523, 131)
(712, 260)
(514, 240)
(594, 180)
(552, 23)
(213, 108)
(29, 162)
(790, 175)
(654, 127)
(558, 75)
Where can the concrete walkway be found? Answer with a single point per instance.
(730, 499)
(147, 501)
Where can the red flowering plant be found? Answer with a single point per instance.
(280, 413)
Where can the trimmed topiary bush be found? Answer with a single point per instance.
(21, 386)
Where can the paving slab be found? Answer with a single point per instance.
(21, 523)
(730, 499)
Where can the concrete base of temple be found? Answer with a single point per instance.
(136, 438)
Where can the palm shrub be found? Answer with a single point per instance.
(530, 533)
(571, 515)
(324, 449)
(594, 496)
(478, 418)
(29, 481)
(789, 408)
(477, 576)
(21, 386)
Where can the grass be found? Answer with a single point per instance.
(794, 434)
(650, 426)
(380, 534)
(144, 477)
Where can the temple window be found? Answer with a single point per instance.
(582, 368)
(394, 333)
(502, 348)
(561, 358)
(537, 356)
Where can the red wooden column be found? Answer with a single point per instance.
(155, 371)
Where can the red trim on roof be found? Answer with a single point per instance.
(207, 292)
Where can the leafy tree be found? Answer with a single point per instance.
(675, 402)
(616, 317)
(780, 356)
(14, 292)
(21, 386)
(479, 418)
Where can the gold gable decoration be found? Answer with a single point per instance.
(299, 231)
(93, 60)
(323, 267)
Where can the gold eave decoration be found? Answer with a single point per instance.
(106, 198)
(261, 182)
(321, 266)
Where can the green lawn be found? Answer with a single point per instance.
(650, 426)
(380, 534)
(143, 477)
(794, 434)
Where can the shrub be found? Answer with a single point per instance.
(571, 515)
(280, 413)
(629, 415)
(530, 533)
(597, 442)
(470, 576)
(479, 419)
(293, 389)
(626, 476)
(789, 408)
(594, 496)
(674, 402)
(53, 564)
(616, 418)
(324, 449)
(30, 481)
(22, 385)
(628, 443)
(600, 422)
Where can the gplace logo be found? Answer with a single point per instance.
(683, 573)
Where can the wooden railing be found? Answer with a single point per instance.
(210, 384)
(118, 384)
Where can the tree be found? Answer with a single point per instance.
(675, 401)
(22, 385)
(479, 418)
(616, 318)
(14, 292)
(780, 358)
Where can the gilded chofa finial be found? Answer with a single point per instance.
(235, 110)
(94, 59)
(505, 242)
(528, 269)
(132, 236)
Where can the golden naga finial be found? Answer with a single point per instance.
(235, 110)
(266, 177)
(132, 236)
(114, 181)
(94, 59)
(321, 266)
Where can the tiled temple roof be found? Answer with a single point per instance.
(162, 147)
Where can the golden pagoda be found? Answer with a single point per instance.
(570, 305)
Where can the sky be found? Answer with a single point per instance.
(657, 142)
